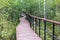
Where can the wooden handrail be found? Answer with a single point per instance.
(56, 22)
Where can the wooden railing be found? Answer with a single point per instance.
(36, 23)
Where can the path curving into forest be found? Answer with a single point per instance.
(24, 32)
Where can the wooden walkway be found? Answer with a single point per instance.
(24, 32)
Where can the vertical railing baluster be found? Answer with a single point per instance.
(44, 30)
(30, 24)
(35, 25)
(39, 27)
(53, 31)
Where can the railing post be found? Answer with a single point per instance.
(53, 33)
(35, 25)
(44, 30)
(39, 27)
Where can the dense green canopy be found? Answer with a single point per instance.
(10, 11)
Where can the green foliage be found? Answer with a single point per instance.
(10, 11)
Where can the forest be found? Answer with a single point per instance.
(10, 11)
